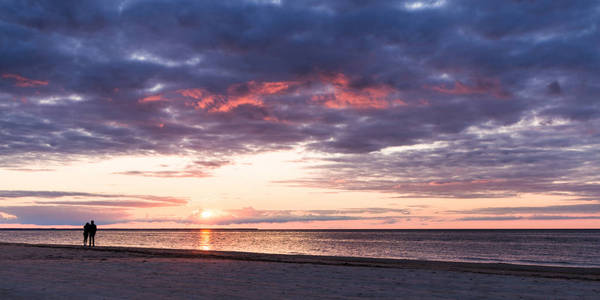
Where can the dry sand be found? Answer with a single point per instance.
(70, 272)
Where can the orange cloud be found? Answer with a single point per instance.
(152, 98)
(343, 95)
(24, 82)
(237, 101)
(192, 93)
(205, 98)
(269, 88)
(340, 94)
(250, 92)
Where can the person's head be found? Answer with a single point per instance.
(88, 223)
(92, 222)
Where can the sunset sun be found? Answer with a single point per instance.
(205, 214)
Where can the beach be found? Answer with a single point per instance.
(66, 272)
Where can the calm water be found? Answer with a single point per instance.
(544, 247)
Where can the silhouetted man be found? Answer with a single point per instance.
(86, 232)
(92, 231)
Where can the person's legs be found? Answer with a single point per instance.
(92, 240)
(85, 237)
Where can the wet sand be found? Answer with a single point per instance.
(59, 272)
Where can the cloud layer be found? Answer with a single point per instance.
(250, 215)
(71, 208)
(458, 99)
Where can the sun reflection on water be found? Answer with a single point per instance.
(204, 239)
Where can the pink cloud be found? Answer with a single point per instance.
(24, 82)
(343, 95)
(248, 93)
(152, 98)
(481, 86)
(237, 101)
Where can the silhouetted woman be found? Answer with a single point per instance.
(92, 230)
(86, 232)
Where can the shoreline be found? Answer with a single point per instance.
(580, 273)
(30, 271)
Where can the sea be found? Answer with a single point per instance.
(574, 248)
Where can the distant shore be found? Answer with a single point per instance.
(69, 272)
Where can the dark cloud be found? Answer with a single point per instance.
(535, 156)
(509, 89)
(63, 215)
(9, 194)
(562, 209)
(554, 88)
(499, 218)
(111, 203)
(550, 212)
(212, 163)
(546, 217)
(541, 217)
(200, 168)
(110, 208)
(73, 208)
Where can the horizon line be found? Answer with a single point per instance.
(288, 229)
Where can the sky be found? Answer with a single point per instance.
(300, 114)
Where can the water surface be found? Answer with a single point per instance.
(540, 247)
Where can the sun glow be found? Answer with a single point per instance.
(205, 214)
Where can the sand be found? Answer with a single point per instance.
(69, 272)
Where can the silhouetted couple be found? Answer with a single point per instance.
(89, 230)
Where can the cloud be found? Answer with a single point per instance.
(111, 203)
(61, 215)
(513, 103)
(554, 88)
(481, 87)
(92, 200)
(499, 218)
(540, 217)
(486, 161)
(152, 98)
(338, 94)
(32, 170)
(74, 212)
(21, 81)
(249, 215)
(551, 217)
(7, 194)
(5, 216)
(550, 212)
(563, 209)
(197, 169)
(72, 208)
(212, 163)
(166, 174)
